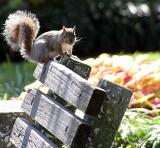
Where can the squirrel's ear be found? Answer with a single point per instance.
(64, 29)
(74, 29)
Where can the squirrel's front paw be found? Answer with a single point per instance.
(75, 57)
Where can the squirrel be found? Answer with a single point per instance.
(20, 32)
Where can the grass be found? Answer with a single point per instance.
(13, 78)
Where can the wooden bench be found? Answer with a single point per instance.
(74, 112)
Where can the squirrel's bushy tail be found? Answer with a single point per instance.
(20, 30)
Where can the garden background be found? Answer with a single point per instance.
(125, 30)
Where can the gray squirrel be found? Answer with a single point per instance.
(20, 32)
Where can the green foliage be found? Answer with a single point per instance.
(13, 78)
(137, 130)
(149, 56)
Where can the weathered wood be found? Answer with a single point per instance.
(69, 85)
(76, 65)
(106, 125)
(55, 118)
(25, 135)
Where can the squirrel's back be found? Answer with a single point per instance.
(20, 30)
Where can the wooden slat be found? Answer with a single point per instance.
(25, 135)
(54, 117)
(112, 111)
(76, 65)
(69, 86)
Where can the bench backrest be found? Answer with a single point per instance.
(92, 119)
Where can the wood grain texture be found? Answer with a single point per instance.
(55, 118)
(76, 65)
(105, 127)
(25, 135)
(68, 85)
